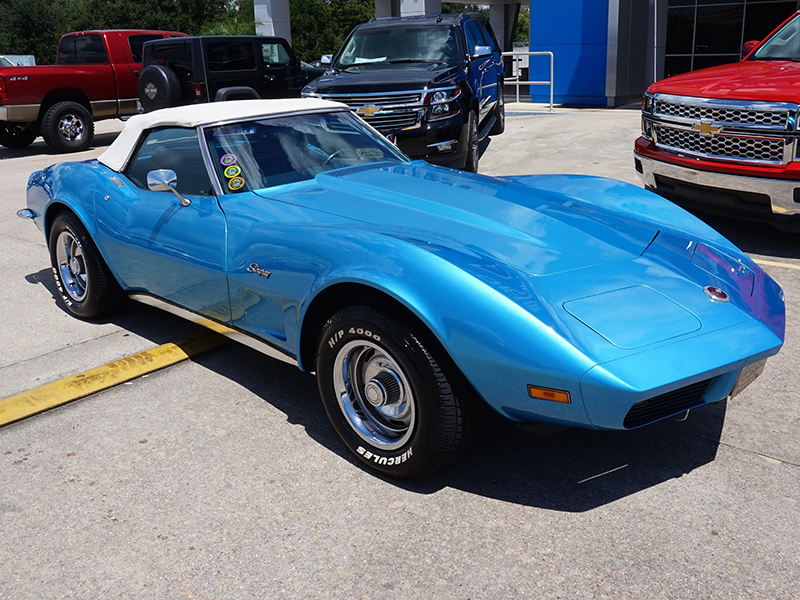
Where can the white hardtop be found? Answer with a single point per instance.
(196, 115)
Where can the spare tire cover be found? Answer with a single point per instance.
(158, 88)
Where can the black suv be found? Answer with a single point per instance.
(190, 70)
(432, 83)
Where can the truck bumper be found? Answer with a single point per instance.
(737, 195)
(19, 113)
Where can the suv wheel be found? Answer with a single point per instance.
(499, 115)
(473, 144)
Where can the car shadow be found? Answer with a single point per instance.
(39, 148)
(754, 237)
(570, 470)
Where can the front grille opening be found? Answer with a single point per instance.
(648, 411)
(705, 196)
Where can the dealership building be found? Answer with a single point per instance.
(606, 52)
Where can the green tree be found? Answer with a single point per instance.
(239, 19)
(31, 27)
(346, 14)
(312, 33)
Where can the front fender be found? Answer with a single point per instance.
(498, 345)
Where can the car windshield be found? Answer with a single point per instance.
(4, 62)
(784, 45)
(398, 45)
(278, 150)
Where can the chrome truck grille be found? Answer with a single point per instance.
(726, 130)
(386, 111)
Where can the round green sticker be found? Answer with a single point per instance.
(232, 171)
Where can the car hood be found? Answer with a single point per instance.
(395, 78)
(536, 231)
(774, 81)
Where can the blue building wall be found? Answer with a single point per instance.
(576, 32)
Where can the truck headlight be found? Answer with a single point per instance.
(443, 103)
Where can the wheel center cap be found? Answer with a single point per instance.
(74, 266)
(375, 393)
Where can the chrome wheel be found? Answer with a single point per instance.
(71, 265)
(71, 127)
(374, 394)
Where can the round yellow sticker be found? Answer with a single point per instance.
(232, 171)
(236, 183)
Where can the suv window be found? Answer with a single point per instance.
(177, 56)
(136, 41)
(231, 56)
(174, 148)
(275, 55)
(475, 36)
(401, 44)
(82, 50)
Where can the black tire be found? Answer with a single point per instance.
(499, 114)
(473, 144)
(386, 395)
(13, 136)
(67, 127)
(159, 87)
(84, 282)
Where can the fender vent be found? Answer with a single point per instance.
(665, 405)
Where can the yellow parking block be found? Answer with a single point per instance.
(95, 380)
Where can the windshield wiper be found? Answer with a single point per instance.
(410, 60)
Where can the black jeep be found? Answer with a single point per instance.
(191, 70)
(432, 83)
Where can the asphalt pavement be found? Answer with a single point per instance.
(220, 477)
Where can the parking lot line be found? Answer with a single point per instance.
(771, 263)
(50, 395)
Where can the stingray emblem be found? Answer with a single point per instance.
(707, 128)
(254, 268)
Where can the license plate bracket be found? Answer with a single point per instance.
(748, 376)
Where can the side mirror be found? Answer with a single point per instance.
(482, 51)
(749, 47)
(165, 180)
(326, 59)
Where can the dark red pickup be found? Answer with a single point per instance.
(96, 78)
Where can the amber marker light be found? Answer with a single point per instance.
(541, 393)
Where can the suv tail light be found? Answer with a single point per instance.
(3, 89)
(199, 90)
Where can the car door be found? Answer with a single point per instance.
(155, 244)
(231, 63)
(283, 75)
(483, 69)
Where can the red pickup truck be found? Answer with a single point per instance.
(725, 139)
(96, 78)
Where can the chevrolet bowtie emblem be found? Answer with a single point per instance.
(707, 127)
(368, 111)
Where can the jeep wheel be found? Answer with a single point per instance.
(14, 136)
(67, 127)
(158, 88)
(386, 395)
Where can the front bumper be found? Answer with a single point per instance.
(428, 145)
(724, 193)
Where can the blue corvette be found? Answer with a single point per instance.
(414, 292)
